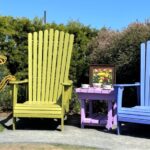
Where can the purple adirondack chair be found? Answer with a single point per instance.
(140, 113)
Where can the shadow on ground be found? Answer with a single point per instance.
(128, 129)
(136, 130)
(39, 124)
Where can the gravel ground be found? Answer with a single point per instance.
(135, 137)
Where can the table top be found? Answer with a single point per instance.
(94, 90)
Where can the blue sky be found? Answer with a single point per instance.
(116, 14)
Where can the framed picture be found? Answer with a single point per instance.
(102, 75)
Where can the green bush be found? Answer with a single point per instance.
(91, 46)
(5, 94)
(122, 49)
(13, 44)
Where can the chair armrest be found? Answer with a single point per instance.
(15, 89)
(68, 83)
(119, 88)
(66, 94)
(19, 82)
(126, 85)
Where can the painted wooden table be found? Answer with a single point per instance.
(92, 94)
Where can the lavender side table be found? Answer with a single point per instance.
(91, 94)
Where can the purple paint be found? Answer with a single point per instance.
(91, 94)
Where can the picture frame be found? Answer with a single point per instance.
(102, 75)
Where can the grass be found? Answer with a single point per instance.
(43, 147)
(1, 128)
(74, 147)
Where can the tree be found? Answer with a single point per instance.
(122, 49)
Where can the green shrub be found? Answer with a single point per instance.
(122, 49)
(1, 128)
(13, 44)
(91, 46)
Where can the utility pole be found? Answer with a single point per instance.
(44, 16)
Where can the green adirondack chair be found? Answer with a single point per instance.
(49, 89)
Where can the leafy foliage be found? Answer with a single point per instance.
(13, 44)
(91, 46)
(122, 49)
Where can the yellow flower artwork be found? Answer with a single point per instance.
(102, 75)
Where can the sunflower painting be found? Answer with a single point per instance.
(103, 74)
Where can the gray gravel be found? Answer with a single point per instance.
(73, 135)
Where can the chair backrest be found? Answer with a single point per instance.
(145, 74)
(49, 55)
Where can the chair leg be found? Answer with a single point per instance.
(62, 123)
(14, 123)
(118, 128)
(82, 125)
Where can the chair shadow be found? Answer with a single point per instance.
(136, 130)
(40, 124)
(73, 120)
(5, 120)
(128, 129)
(31, 123)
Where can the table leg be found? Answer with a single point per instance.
(82, 113)
(109, 116)
(115, 114)
(90, 109)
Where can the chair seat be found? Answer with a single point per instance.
(37, 109)
(137, 114)
(135, 110)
